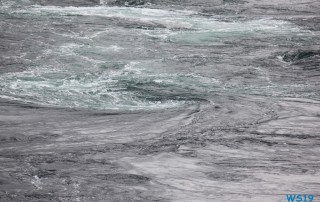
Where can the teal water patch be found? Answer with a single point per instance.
(120, 86)
(127, 88)
(213, 32)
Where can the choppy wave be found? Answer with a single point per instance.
(176, 26)
(120, 87)
(87, 72)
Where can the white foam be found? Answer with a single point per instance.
(63, 88)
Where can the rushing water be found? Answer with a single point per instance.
(156, 103)
(112, 67)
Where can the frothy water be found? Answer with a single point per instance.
(120, 87)
(94, 72)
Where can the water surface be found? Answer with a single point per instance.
(158, 101)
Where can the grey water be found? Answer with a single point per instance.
(159, 100)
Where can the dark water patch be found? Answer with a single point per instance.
(106, 113)
(141, 148)
(228, 177)
(120, 147)
(11, 138)
(66, 2)
(31, 106)
(302, 169)
(251, 141)
(218, 11)
(51, 163)
(164, 95)
(2, 182)
(128, 2)
(37, 159)
(294, 56)
(234, 2)
(159, 147)
(44, 173)
(289, 135)
(172, 143)
(195, 60)
(122, 178)
(98, 161)
(280, 10)
(137, 25)
(40, 197)
(249, 73)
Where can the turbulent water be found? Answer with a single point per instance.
(159, 101)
